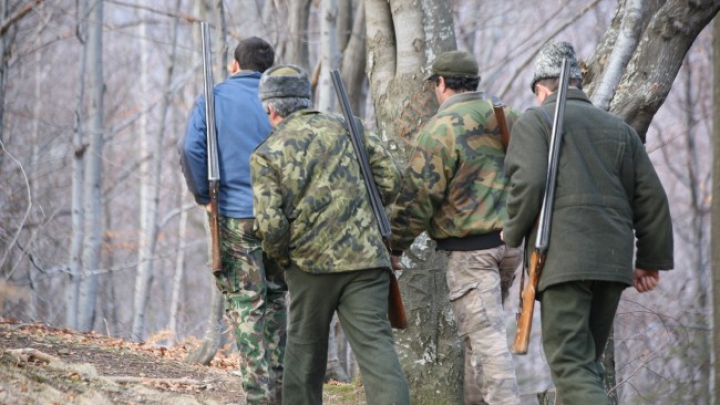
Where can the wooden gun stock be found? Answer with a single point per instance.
(215, 261)
(498, 109)
(212, 153)
(527, 303)
(396, 308)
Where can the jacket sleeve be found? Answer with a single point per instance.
(271, 225)
(425, 181)
(651, 214)
(526, 165)
(193, 154)
(386, 173)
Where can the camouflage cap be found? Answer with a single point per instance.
(454, 64)
(549, 62)
(284, 81)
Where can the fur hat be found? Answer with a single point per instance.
(549, 62)
(454, 64)
(284, 81)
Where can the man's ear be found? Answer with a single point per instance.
(234, 67)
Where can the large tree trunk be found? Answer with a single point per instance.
(94, 164)
(652, 69)
(297, 47)
(402, 39)
(353, 60)
(715, 215)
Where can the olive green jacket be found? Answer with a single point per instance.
(455, 184)
(311, 207)
(608, 195)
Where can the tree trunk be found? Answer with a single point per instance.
(715, 216)
(94, 164)
(297, 48)
(329, 51)
(150, 168)
(655, 64)
(211, 341)
(78, 180)
(179, 273)
(4, 56)
(353, 62)
(148, 212)
(402, 39)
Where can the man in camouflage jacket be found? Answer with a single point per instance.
(313, 215)
(455, 189)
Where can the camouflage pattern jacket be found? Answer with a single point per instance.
(455, 184)
(312, 210)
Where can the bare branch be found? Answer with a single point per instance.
(17, 16)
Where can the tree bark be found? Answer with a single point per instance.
(78, 180)
(403, 37)
(297, 51)
(715, 215)
(652, 69)
(353, 62)
(94, 163)
(329, 52)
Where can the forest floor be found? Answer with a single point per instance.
(40, 365)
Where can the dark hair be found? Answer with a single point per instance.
(553, 83)
(254, 54)
(457, 83)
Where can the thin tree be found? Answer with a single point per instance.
(93, 224)
(715, 217)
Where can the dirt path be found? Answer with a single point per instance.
(40, 365)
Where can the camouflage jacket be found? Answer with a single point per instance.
(455, 184)
(312, 210)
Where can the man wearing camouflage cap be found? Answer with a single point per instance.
(455, 189)
(314, 217)
(607, 194)
(253, 287)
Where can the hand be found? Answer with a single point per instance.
(395, 262)
(645, 280)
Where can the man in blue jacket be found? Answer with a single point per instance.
(253, 286)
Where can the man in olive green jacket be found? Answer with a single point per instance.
(313, 214)
(607, 196)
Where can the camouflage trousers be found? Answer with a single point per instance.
(254, 292)
(478, 282)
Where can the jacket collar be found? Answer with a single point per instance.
(461, 98)
(572, 94)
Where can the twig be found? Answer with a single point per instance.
(145, 380)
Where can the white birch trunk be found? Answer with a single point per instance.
(93, 181)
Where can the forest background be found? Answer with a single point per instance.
(98, 231)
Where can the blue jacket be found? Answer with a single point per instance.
(242, 125)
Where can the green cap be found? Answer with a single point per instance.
(454, 64)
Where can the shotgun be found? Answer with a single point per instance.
(498, 109)
(212, 153)
(539, 252)
(396, 308)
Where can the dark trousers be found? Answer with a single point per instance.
(360, 299)
(576, 321)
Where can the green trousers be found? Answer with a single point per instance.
(360, 299)
(576, 320)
